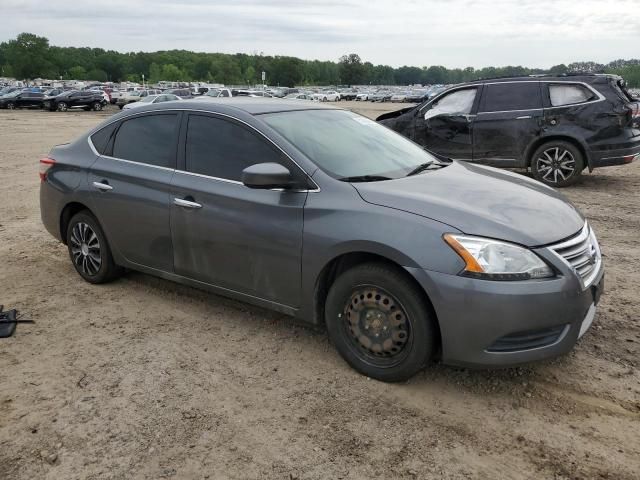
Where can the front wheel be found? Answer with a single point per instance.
(11, 106)
(557, 164)
(89, 250)
(380, 322)
(62, 107)
(96, 106)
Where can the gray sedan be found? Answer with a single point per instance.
(327, 216)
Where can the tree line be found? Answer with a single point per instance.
(30, 56)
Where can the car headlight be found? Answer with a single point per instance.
(494, 260)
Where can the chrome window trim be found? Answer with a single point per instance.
(133, 114)
(570, 82)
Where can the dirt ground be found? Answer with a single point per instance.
(144, 378)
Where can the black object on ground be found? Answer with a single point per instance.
(8, 322)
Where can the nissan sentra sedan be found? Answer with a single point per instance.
(325, 215)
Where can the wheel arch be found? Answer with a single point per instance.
(558, 137)
(343, 262)
(69, 210)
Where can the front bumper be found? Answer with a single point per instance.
(497, 324)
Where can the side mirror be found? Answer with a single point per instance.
(266, 176)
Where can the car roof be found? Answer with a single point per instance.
(577, 77)
(250, 105)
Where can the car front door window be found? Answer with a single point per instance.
(458, 102)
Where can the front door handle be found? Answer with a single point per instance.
(524, 117)
(181, 202)
(105, 187)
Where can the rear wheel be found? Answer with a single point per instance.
(96, 106)
(380, 322)
(62, 107)
(11, 106)
(557, 164)
(89, 250)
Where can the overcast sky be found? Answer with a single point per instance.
(453, 33)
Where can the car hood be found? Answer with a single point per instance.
(481, 201)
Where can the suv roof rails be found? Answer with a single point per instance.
(543, 75)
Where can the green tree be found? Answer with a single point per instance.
(351, 69)
(77, 73)
(27, 55)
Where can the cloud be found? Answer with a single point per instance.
(454, 33)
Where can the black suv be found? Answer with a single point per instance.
(86, 99)
(22, 100)
(557, 126)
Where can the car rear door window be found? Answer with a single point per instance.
(504, 97)
(221, 148)
(569, 94)
(149, 139)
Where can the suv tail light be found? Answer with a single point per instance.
(45, 164)
(634, 113)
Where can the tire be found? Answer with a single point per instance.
(324, 99)
(11, 106)
(120, 106)
(557, 164)
(89, 250)
(380, 322)
(96, 106)
(62, 107)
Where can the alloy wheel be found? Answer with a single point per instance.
(85, 249)
(377, 326)
(62, 107)
(556, 164)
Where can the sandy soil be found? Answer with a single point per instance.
(143, 378)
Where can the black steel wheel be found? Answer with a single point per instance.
(380, 322)
(557, 164)
(89, 250)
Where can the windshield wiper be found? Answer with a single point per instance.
(425, 166)
(365, 178)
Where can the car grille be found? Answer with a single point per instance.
(582, 254)
(528, 340)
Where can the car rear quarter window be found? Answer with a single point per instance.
(149, 139)
(569, 94)
(100, 139)
(500, 97)
(221, 148)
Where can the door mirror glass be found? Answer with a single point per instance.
(266, 176)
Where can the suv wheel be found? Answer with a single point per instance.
(380, 323)
(11, 106)
(557, 164)
(89, 250)
(97, 106)
(62, 107)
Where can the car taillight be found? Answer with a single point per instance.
(45, 164)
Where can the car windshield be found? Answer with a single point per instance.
(213, 92)
(15, 93)
(345, 144)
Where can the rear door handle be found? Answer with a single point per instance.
(105, 187)
(181, 202)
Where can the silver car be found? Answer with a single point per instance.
(327, 216)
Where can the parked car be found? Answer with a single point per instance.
(417, 96)
(152, 99)
(399, 97)
(52, 92)
(299, 96)
(20, 99)
(556, 126)
(327, 96)
(325, 215)
(135, 96)
(349, 94)
(183, 93)
(362, 96)
(380, 96)
(85, 99)
(218, 92)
